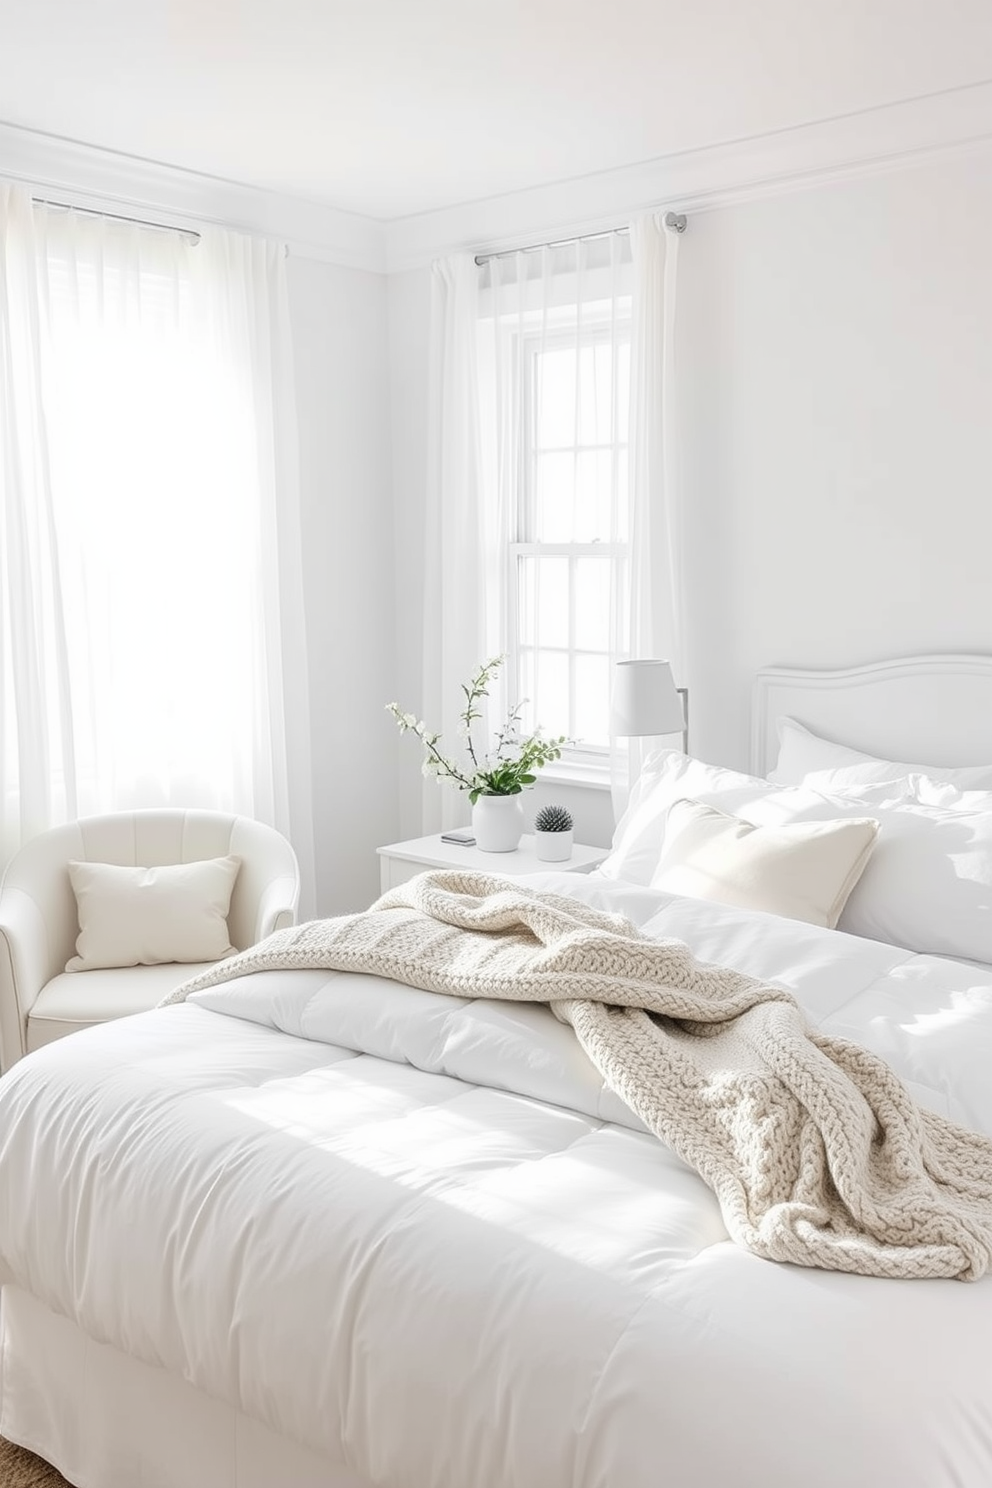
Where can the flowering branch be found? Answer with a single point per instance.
(507, 768)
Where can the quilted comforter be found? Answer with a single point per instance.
(813, 1146)
(421, 1233)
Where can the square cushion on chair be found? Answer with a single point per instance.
(145, 916)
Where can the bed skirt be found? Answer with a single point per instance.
(106, 1420)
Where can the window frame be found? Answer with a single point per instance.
(581, 762)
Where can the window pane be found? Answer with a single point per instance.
(592, 603)
(554, 498)
(578, 498)
(592, 699)
(544, 596)
(596, 410)
(575, 470)
(548, 702)
(593, 498)
(555, 410)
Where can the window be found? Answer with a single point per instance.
(552, 532)
(568, 560)
(555, 395)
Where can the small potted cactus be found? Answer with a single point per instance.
(553, 834)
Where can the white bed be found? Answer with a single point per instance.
(318, 1228)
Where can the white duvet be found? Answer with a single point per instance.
(418, 1235)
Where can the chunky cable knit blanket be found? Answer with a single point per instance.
(814, 1148)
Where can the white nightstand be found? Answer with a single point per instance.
(402, 860)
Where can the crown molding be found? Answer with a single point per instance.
(85, 176)
(900, 134)
(703, 179)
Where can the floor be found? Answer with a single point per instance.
(21, 1469)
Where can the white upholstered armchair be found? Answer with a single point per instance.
(40, 916)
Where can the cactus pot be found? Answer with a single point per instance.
(553, 847)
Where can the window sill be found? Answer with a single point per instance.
(588, 776)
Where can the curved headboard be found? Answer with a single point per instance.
(928, 709)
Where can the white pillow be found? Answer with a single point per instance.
(667, 776)
(145, 916)
(927, 886)
(806, 759)
(802, 870)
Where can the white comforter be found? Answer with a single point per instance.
(417, 1233)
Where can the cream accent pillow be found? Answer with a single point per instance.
(800, 870)
(145, 916)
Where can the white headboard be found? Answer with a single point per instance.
(924, 709)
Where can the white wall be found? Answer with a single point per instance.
(409, 367)
(834, 349)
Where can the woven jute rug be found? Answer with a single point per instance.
(21, 1469)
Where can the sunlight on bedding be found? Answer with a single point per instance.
(965, 1006)
(522, 1167)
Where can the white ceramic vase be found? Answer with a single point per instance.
(553, 847)
(498, 823)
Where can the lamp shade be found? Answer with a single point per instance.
(645, 700)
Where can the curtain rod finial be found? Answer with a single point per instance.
(676, 221)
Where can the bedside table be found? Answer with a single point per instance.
(402, 860)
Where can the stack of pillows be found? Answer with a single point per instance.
(896, 852)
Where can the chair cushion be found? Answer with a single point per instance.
(140, 916)
(76, 1000)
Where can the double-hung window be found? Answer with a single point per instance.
(563, 374)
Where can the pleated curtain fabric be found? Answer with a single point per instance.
(153, 645)
(454, 635)
(655, 626)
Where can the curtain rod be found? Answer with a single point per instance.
(186, 232)
(675, 220)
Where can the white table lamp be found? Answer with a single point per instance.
(646, 701)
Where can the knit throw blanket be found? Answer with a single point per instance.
(815, 1150)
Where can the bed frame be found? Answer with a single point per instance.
(934, 710)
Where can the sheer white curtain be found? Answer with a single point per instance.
(153, 645)
(656, 627)
(454, 563)
(655, 622)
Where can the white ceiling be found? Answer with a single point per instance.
(395, 107)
